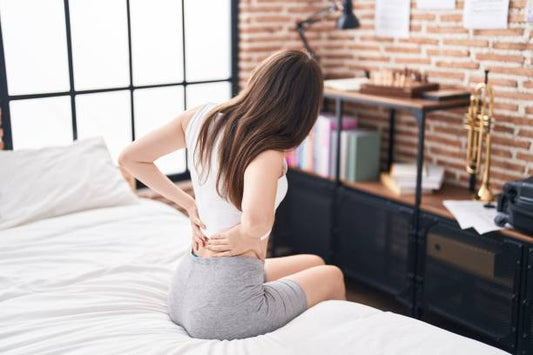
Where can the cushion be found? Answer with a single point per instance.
(54, 181)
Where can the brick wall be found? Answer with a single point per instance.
(439, 46)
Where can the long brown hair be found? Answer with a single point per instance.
(276, 110)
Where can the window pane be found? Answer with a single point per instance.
(38, 123)
(99, 43)
(157, 42)
(107, 115)
(35, 46)
(199, 94)
(154, 108)
(207, 39)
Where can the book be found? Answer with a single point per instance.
(407, 170)
(387, 180)
(406, 185)
(360, 153)
(348, 123)
(433, 180)
(351, 156)
(308, 154)
(366, 155)
(333, 154)
(322, 146)
(344, 155)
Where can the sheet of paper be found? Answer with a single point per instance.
(473, 214)
(529, 12)
(392, 18)
(485, 14)
(436, 4)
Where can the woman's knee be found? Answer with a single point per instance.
(321, 283)
(314, 260)
(336, 276)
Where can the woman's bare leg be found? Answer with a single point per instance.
(276, 268)
(320, 283)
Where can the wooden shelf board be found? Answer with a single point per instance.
(378, 189)
(431, 202)
(420, 104)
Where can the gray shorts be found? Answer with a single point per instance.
(229, 298)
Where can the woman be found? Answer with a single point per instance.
(225, 288)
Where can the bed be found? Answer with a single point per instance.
(96, 281)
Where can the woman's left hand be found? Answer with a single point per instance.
(232, 242)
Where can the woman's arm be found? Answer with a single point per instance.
(259, 195)
(138, 158)
(258, 207)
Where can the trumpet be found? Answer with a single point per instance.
(478, 123)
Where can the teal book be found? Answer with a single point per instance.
(363, 155)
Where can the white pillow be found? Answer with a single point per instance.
(53, 181)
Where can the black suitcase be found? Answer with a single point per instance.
(515, 205)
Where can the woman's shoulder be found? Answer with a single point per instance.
(188, 115)
(269, 161)
(271, 155)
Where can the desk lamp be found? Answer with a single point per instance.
(347, 20)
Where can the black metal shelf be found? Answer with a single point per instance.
(419, 109)
(386, 241)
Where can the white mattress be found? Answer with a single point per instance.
(96, 282)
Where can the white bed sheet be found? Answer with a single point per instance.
(96, 282)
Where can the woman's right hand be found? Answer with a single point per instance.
(198, 238)
(233, 242)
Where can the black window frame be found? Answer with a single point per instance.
(5, 98)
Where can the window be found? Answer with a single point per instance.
(71, 69)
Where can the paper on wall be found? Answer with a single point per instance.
(529, 11)
(473, 214)
(485, 14)
(436, 4)
(392, 18)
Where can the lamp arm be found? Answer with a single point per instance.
(318, 15)
(314, 17)
(312, 53)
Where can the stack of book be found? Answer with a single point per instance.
(402, 178)
(317, 153)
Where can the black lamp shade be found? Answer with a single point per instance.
(347, 20)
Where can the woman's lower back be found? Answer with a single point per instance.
(203, 252)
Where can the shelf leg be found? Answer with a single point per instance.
(338, 113)
(420, 116)
(421, 120)
(333, 217)
(390, 158)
